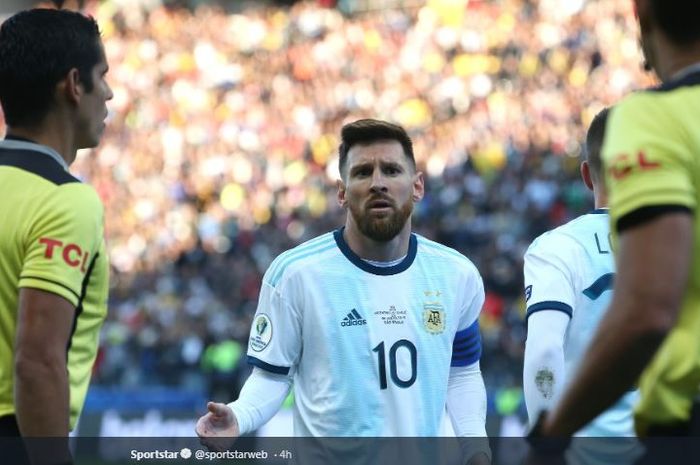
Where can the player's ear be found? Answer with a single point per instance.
(586, 175)
(341, 193)
(418, 186)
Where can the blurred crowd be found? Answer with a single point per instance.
(221, 152)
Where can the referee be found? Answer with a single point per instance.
(651, 334)
(53, 265)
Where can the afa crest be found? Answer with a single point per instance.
(434, 318)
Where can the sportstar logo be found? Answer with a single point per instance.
(72, 254)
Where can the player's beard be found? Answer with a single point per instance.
(385, 228)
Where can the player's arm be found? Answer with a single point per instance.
(261, 397)
(543, 370)
(653, 263)
(273, 353)
(466, 406)
(549, 293)
(44, 325)
(466, 393)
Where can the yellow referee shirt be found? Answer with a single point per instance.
(51, 238)
(652, 159)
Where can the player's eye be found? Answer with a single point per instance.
(362, 172)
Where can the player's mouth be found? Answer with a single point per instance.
(380, 205)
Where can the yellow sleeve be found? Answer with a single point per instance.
(63, 239)
(647, 159)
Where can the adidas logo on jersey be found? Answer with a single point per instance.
(353, 319)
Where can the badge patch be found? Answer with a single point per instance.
(261, 333)
(434, 318)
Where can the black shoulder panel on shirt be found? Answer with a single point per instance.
(645, 214)
(37, 163)
(692, 79)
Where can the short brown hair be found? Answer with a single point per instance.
(367, 131)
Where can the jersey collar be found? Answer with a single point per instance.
(24, 144)
(368, 267)
(599, 211)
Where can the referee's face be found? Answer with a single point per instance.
(379, 189)
(93, 106)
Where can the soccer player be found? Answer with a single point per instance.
(53, 265)
(569, 274)
(651, 160)
(375, 326)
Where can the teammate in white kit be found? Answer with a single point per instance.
(375, 327)
(569, 274)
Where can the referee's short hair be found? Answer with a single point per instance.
(594, 143)
(37, 50)
(678, 19)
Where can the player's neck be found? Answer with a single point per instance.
(381, 251)
(48, 135)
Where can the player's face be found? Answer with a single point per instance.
(93, 106)
(379, 188)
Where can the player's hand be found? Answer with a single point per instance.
(218, 429)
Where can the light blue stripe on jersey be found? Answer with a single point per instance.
(442, 248)
(283, 257)
(322, 244)
(466, 348)
(602, 284)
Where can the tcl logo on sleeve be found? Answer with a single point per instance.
(72, 254)
(624, 164)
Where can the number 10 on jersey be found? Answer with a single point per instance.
(403, 344)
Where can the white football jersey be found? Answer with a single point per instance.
(369, 348)
(571, 269)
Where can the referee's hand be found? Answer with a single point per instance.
(218, 428)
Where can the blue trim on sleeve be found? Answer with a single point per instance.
(378, 270)
(602, 284)
(466, 347)
(466, 360)
(266, 366)
(549, 305)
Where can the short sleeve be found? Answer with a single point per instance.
(62, 242)
(275, 336)
(647, 160)
(549, 282)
